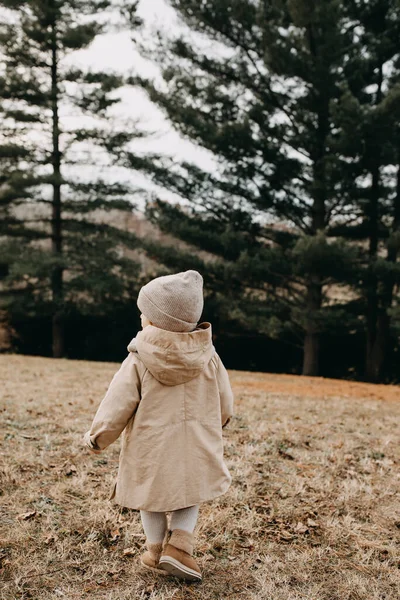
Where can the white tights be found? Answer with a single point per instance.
(155, 523)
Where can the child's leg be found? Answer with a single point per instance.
(185, 518)
(154, 525)
(155, 528)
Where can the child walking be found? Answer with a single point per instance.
(171, 398)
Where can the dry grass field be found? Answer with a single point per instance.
(313, 512)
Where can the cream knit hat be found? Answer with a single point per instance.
(173, 302)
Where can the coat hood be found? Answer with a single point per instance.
(174, 358)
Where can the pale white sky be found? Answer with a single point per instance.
(117, 52)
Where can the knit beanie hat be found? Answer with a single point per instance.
(173, 302)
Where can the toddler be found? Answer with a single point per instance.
(171, 397)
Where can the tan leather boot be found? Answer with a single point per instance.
(177, 557)
(151, 557)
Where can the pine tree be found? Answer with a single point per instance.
(80, 260)
(261, 104)
(15, 177)
(369, 122)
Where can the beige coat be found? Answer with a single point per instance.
(170, 398)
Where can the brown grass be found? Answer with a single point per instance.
(313, 512)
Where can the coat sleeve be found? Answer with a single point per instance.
(117, 407)
(225, 393)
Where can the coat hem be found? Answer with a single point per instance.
(159, 508)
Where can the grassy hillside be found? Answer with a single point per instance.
(313, 512)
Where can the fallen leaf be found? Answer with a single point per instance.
(300, 528)
(286, 536)
(129, 552)
(69, 470)
(50, 538)
(285, 454)
(249, 545)
(115, 534)
(208, 556)
(27, 515)
(312, 523)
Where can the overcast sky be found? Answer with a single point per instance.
(117, 52)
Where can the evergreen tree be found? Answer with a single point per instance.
(260, 100)
(80, 259)
(369, 115)
(15, 177)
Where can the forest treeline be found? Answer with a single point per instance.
(295, 227)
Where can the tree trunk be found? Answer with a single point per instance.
(311, 354)
(312, 335)
(56, 223)
(371, 281)
(313, 303)
(374, 342)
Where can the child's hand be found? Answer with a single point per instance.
(89, 444)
